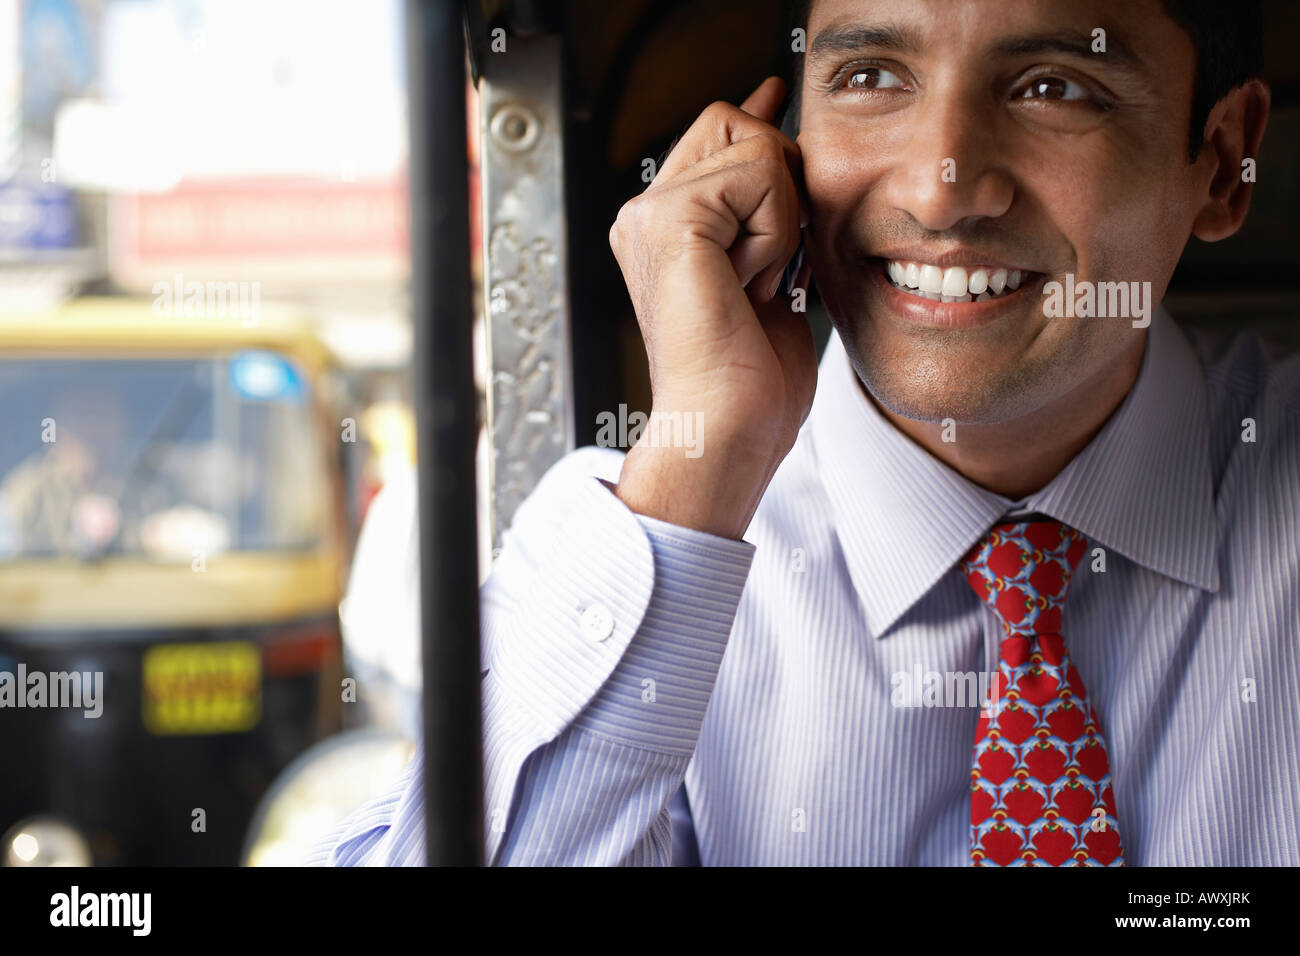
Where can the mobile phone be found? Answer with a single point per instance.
(791, 275)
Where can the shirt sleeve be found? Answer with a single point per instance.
(603, 631)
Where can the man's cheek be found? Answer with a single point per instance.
(1087, 216)
(1126, 243)
(840, 159)
(1123, 215)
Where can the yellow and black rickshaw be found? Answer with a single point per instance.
(172, 541)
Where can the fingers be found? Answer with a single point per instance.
(756, 209)
(770, 147)
(722, 125)
(732, 185)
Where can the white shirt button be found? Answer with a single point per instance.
(597, 622)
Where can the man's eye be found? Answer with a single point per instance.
(872, 78)
(1053, 88)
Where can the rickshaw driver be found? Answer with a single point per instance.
(59, 499)
(1073, 435)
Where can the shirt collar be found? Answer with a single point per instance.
(1142, 486)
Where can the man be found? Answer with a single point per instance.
(62, 499)
(1021, 585)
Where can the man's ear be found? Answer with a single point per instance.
(1232, 135)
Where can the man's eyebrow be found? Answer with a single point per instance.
(850, 38)
(853, 38)
(1118, 54)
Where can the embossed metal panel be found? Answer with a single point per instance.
(525, 268)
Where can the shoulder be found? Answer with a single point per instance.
(1252, 383)
(1248, 366)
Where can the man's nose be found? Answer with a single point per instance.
(950, 167)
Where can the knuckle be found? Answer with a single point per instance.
(771, 144)
(626, 220)
(717, 111)
(771, 167)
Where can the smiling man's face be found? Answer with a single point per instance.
(987, 134)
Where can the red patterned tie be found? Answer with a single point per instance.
(1040, 784)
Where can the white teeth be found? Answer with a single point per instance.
(931, 279)
(954, 281)
(954, 284)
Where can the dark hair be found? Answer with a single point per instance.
(1229, 41)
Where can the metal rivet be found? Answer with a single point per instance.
(515, 127)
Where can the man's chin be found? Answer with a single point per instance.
(940, 395)
(963, 376)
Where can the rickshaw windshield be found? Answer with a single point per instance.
(164, 458)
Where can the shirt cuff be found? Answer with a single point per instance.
(657, 695)
(588, 584)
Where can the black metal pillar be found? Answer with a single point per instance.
(445, 412)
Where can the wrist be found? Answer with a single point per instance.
(714, 493)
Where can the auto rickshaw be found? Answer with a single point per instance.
(172, 545)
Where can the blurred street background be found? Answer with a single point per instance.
(205, 350)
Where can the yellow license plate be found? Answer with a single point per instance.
(202, 688)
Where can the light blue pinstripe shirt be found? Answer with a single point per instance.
(791, 746)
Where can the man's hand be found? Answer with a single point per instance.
(702, 251)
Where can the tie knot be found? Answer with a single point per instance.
(1022, 569)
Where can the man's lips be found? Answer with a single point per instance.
(930, 310)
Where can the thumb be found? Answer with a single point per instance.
(766, 99)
